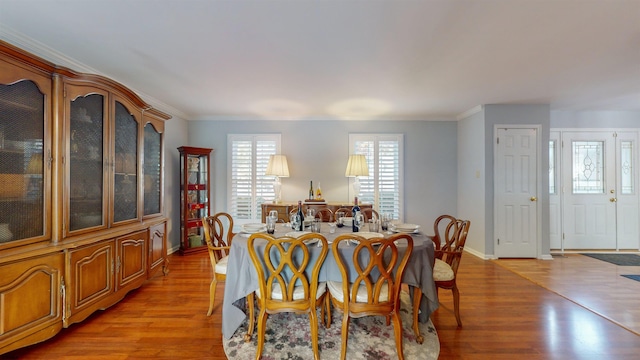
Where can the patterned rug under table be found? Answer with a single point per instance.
(288, 337)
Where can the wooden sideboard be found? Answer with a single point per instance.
(283, 209)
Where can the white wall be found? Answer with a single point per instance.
(318, 151)
(471, 179)
(176, 135)
(521, 115)
(595, 119)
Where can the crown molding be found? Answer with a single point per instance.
(47, 53)
(472, 111)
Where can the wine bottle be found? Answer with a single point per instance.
(318, 192)
(355, 216)
(310, 190)
(300, 217)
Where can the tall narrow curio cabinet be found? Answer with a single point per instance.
(194, 196)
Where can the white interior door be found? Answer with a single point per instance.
(589, 208)
(516, 192)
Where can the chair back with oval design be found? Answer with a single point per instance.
(375, 287)
(218, 232)
(288, 279)
(445, 269)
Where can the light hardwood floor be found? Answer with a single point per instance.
(504, 316)
(594, 284)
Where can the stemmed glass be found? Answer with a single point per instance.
(339, 218)
(295, 221)
(359, 221)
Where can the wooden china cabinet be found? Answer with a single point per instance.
(81, 196)
(194, 197)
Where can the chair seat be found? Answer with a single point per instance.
(335, 288)
(298, 292)
(442, 271)
(221, 266)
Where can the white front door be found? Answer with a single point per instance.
(589, 190)
(516, 218)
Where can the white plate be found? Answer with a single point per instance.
(367, 235)
(296, 234)
(310, 241)
(406, 227)
(253, 228)
(404, 231)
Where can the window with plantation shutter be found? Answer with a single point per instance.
(383, 187)
(249, 188)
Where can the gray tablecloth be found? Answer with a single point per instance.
(242, 277)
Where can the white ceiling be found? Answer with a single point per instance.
(347, 59)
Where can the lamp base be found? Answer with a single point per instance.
(356, 186)
(277, 188)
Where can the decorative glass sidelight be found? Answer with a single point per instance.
(552, 167)
(588, 167)
(626, 168)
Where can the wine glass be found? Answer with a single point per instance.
(359, 221)
(339, 218)
(295, 221)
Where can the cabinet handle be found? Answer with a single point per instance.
(158, 233)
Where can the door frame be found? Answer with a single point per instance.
(560, 168)
(538, 186)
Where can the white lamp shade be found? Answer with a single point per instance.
(357, 166)
(278, 166)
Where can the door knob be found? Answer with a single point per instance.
(613, 199)
(533, 198)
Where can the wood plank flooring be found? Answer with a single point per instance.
(504, 316)
(597, 285)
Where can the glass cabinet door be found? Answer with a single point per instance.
(152, 170)
(86, 154)
(125, 200)
(22, 166)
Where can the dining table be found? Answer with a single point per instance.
(242, 278)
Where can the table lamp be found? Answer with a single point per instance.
(357, 166)
(277, 167)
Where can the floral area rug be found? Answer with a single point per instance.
(288, 337)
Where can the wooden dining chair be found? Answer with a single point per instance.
(367, 293)
(325, 214)
(218, 233)
(370, 213)
(288, 281)
(445, 269)
(346, 211)
(445, 227)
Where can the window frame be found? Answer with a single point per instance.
(374, 163)
(261, 186)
